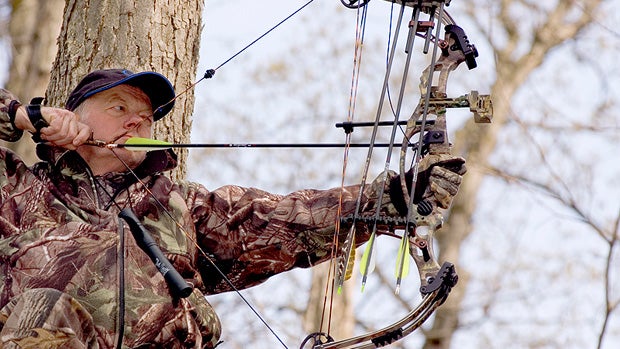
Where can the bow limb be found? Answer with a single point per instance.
(391, 333)
(436, 283)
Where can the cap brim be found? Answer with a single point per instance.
(156, 86)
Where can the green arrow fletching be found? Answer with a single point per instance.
(145, 144)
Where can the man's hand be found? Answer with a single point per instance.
(437, 183)
(64, 127)
(440, 177)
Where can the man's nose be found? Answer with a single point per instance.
(133, 120)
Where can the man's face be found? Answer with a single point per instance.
(115, 115)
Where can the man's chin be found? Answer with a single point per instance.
(136, 158)
(128, 159)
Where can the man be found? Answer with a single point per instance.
(60, 280)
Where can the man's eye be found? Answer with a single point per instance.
(117, 109)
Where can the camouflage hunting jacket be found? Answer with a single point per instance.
(59, 228)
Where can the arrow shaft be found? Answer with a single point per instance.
(248, 145)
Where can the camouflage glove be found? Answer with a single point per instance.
(438, 182)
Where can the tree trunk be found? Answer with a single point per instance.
(342, 320)
(159, 36)
(34, 26)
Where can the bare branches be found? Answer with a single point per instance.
(611, 305)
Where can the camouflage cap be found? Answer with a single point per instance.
(156, 86)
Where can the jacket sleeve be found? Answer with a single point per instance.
(8, 131)
(252, 234)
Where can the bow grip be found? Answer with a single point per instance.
(176, 283)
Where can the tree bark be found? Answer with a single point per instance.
(156, 35)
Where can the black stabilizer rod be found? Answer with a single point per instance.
(177, 285)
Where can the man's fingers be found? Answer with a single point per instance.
(65, 129)
(84, 134)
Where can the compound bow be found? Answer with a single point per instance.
(428, 123)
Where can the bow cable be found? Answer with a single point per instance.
(436, 281)
(418, 152)
(360, 30)
(409, 51)
(348, 244)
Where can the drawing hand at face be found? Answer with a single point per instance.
(64, 128)
(60, 127)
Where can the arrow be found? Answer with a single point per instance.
(138, 144)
